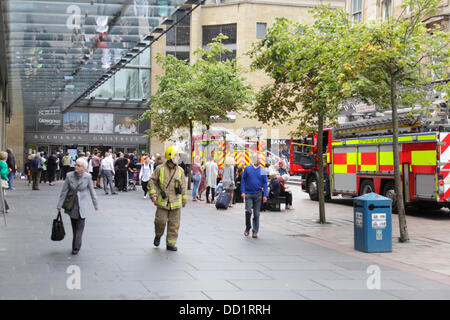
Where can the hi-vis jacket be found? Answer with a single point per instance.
(160, 181)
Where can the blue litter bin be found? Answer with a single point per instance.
(372, 216)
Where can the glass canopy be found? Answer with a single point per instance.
(58, 49)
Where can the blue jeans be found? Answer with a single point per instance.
(197, 179)
(11, 179)
(252, 201)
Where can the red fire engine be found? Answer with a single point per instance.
(358, 159)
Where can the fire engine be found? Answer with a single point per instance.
(358, 159)
(220, 148)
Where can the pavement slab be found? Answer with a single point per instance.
(293, 258)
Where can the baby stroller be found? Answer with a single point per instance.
(133, 181)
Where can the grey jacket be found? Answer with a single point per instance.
(85, 191)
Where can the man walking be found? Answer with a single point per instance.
(253, 188)
(168, 193)
(107, 169)
(122, 169)
(66, 164)
(36, 170)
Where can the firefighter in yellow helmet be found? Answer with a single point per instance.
(168, 193)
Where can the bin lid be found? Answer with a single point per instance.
(372, 197)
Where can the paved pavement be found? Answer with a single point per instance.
(214, 261)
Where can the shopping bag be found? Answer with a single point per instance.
(58, 232)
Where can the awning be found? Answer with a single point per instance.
(58, 49)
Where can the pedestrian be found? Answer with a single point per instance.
(36, 170)
(253, 188)
(52, 164)
(158, 161)
(145, 174)
(28, 168)
(108, 171)
(273, 189)
(228, 178)
(196, 178)
(211, 171)
(132, 166)
(284, 191)
(44, 167)
(202, 185)
(99, 176)
(95, 163)
(4, 172)
(80, 183)
(237, 192)
(122, 168)
(11, 161)
(66, 164)
(59, 170)
(168, 193)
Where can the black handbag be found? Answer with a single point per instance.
(69, 201)
(58, 232)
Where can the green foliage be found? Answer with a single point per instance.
(403, 52)
(201, 92)
(308, 65)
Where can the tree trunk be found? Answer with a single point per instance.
(190, 157)
(320, 184)
(404, 237)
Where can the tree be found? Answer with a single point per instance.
(306, 64)
(398, 59)
(200, 92)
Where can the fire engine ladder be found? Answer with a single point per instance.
(379, 126)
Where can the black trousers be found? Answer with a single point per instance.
(44, 176)
(144, 187)
(65, 169)
(51, 174)
(77, 229)
(213, 192)
(288, 196)
(122, 175)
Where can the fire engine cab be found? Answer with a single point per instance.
(358, 159)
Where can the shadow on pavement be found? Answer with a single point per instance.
(442, 214)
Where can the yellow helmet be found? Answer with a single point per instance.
(171, 152)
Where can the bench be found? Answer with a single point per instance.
(274, 204)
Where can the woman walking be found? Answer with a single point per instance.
(4, 171)
(202, 186)
(11, 161)
(211, 171)
(145, 174)
(80, 183)
(52, 164)
(196, 177)
(228, 178)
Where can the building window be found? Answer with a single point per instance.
(178, 38)
(386, 9)
(230, 30)
(261, 30)
(357, 11)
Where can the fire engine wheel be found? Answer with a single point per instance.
(389, 192)
(366, 187)
(312, 188)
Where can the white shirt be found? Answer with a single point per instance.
(146, 172)
(211, 174)
(108, 164)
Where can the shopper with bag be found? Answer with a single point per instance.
(78, 188)
(4, 172)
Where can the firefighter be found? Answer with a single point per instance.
(168, 193)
